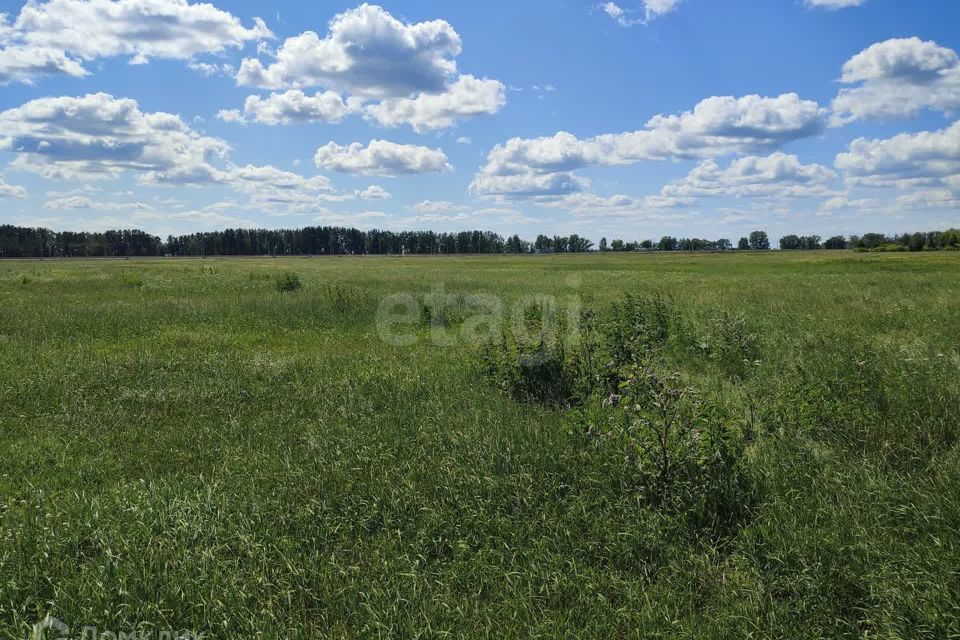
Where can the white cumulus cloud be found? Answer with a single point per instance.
(367, 52)
(467, 97)
(393, 72)
(11, 190)
(98, 135)
(647, 11)
(898, 78)
(381, 157)
(290, 107)
(19, 63)
(925, 159)
(56, 36)
(778, 175)
(716, 126)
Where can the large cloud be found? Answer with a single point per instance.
(20, 63)
(368, 52)
(928, 158)
(397, 73)
(98, 135)
(716, 126)
(468, 96)
(898, 78)
(778, 176)
(381, 158)
(101, 136)
(774, 177)
(56, 35)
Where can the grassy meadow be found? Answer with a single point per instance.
(229, 446)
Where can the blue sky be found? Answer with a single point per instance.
(637, 119)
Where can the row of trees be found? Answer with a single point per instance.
(757, 241)
(930, 241)
(21, 242)
(346, 241)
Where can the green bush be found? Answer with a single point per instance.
(544, 360)
(630, 330)
(288, 281)
(684, 456)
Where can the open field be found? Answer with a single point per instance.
(185, 446)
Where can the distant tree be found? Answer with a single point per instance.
(646, 244)
(759, 241)
(789, 242)
(603, 244)
(917, 242)
(836, 242)
(617, 245)
(576, 244)
(872, 240)
(949, 239)
(744, 244)
(724, 244)
(667, 243)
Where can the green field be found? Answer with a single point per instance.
(185, 446)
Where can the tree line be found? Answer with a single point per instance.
(24, 242)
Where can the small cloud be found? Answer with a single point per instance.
(652, 9)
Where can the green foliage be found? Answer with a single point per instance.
(288, 281)
(759, 241)
(731, 343)
(688, 461)
(541, 358)
(203, 453)
(630, 330)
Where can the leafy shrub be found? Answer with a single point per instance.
(686, 460)
(546, 361)
(541, 360)
(344, 298)
(288, 281)
(630, 330)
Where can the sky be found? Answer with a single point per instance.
(632, 120)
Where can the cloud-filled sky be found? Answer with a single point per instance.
(630, 119)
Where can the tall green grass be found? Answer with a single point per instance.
(195, 444)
